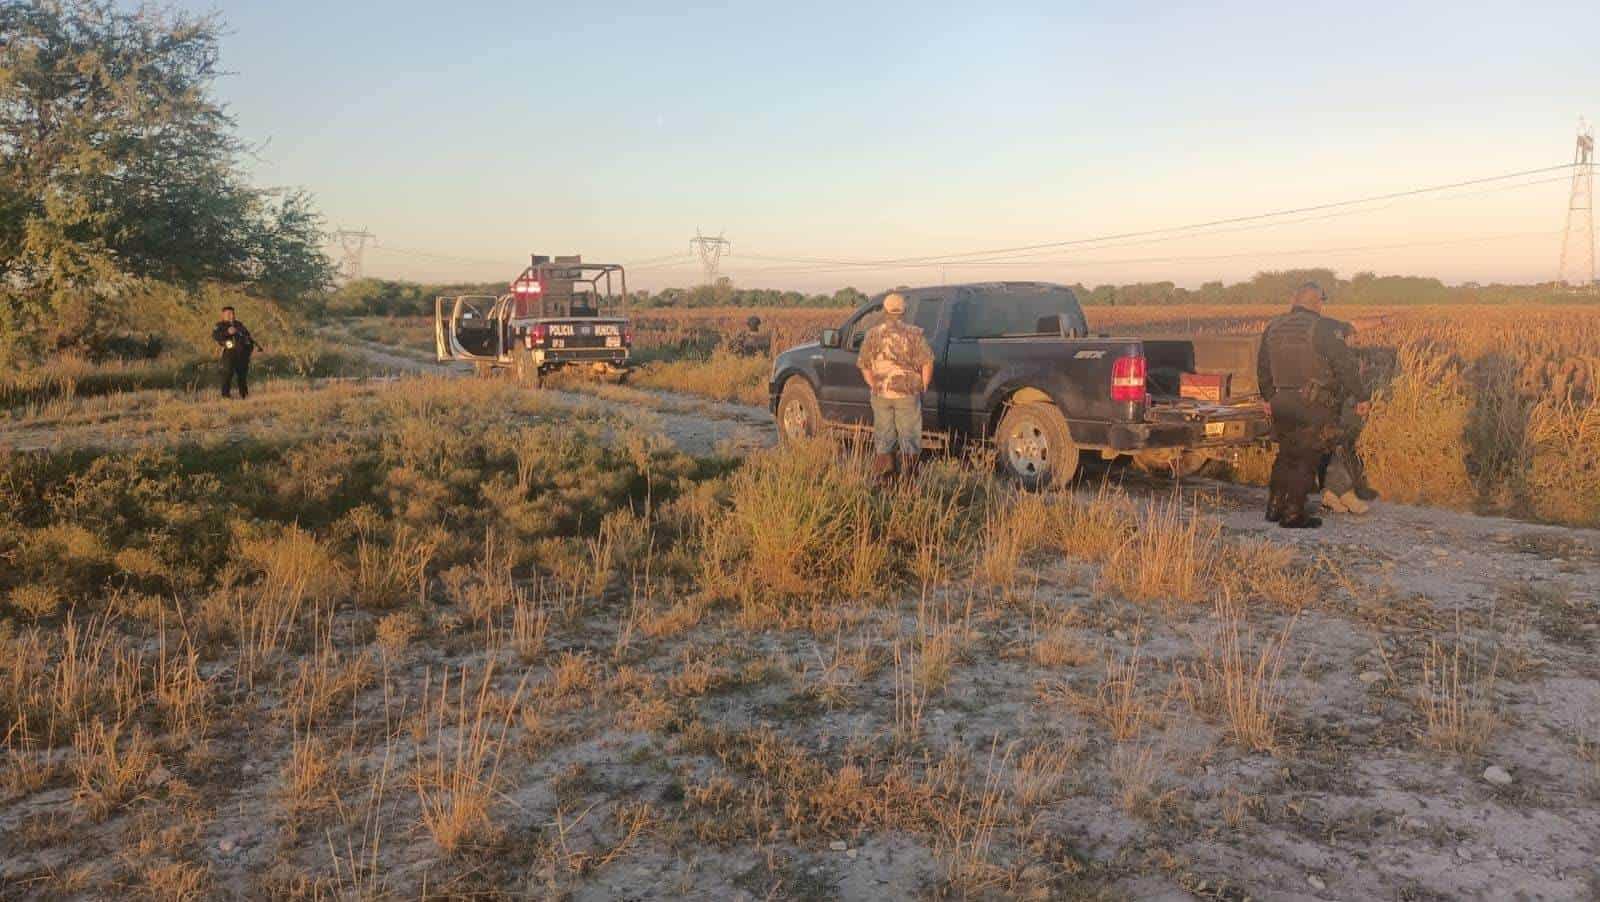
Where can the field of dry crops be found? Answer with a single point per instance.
(440, 636)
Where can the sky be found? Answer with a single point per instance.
(467, 135)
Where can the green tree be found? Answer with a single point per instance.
(118, 167)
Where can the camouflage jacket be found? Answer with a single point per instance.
(895, 353)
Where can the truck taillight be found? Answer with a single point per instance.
(1127, 379)
(537, 334)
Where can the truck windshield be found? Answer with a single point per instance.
(1012, 312)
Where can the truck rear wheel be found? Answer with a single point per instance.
(1035, 447)
(799, 415)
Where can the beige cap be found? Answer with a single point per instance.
(894, 302)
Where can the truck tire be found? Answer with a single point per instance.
(1034, 447)
(527, 373)
(799, 415)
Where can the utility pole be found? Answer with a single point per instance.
(710, 251)
(1577, 245)
(352, 244)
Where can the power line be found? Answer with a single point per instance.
(352, 245)
(710, 251)
(932, 259)
(1577, 242)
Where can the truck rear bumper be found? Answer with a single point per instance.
(615, 357)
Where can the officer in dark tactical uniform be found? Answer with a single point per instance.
(1306, 373)
(236, 345)
(751, 342)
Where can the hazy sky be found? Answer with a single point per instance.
(857, 131)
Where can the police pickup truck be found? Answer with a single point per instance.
(559, 313)
(1015, 365)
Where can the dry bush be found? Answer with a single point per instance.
(391, 559)
(457, 775)
(307, 777)
(1011, 531)
(1137, 771)
(1094, 529)
(1457, 697)
(1564, 476)
(801, 525)
(1169, 557)
(1122, 703)
(1044, 773)
(1247, 685)
(324, 684)
(723, 376)
(1414, 441)
(111, 764)
(396, 630)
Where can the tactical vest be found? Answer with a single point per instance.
(1291, 349)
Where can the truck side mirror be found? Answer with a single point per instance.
(830, 338)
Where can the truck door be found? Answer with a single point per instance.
(468, 328)
(844, 397)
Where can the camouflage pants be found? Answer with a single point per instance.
(1305, 432)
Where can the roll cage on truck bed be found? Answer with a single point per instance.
(559, 312)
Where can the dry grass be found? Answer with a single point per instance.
(1456, 697)
(457, 775)
(1248, 684)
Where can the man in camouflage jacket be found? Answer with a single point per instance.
(897, 365)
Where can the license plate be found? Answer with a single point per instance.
(613, 342)
(1214, 429)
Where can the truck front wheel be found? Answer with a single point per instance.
(1035, 447)
(799, 415)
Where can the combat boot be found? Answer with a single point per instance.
(1274, 506)
(1335, 503)
(1353, 504)
(882, 468)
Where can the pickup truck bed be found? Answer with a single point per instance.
(1014, 365)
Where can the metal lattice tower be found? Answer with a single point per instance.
(710, 251)
(1577, 245)
(353, 246)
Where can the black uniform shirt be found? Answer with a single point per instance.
(1311, 346)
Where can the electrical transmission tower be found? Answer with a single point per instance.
(352, 244)
(1577, 245)
(710, 251)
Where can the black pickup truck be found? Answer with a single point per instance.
(1015, 365)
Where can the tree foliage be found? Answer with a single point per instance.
(118, 168)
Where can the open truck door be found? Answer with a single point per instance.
(471, 327)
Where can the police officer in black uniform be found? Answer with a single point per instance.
(236, 345)
(1306, 372)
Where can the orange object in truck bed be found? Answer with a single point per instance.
(1205, 386)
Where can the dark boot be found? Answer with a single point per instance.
(1274, 505)
(882, 468)
(908, 466)
(1303, 521)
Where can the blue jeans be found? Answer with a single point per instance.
(897, 421)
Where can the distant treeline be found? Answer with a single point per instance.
(384, 297)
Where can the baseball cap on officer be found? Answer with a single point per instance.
(894, 303)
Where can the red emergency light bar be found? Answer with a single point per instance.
(526, 287)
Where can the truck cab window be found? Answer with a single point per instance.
(926, 316)
(858, 331)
